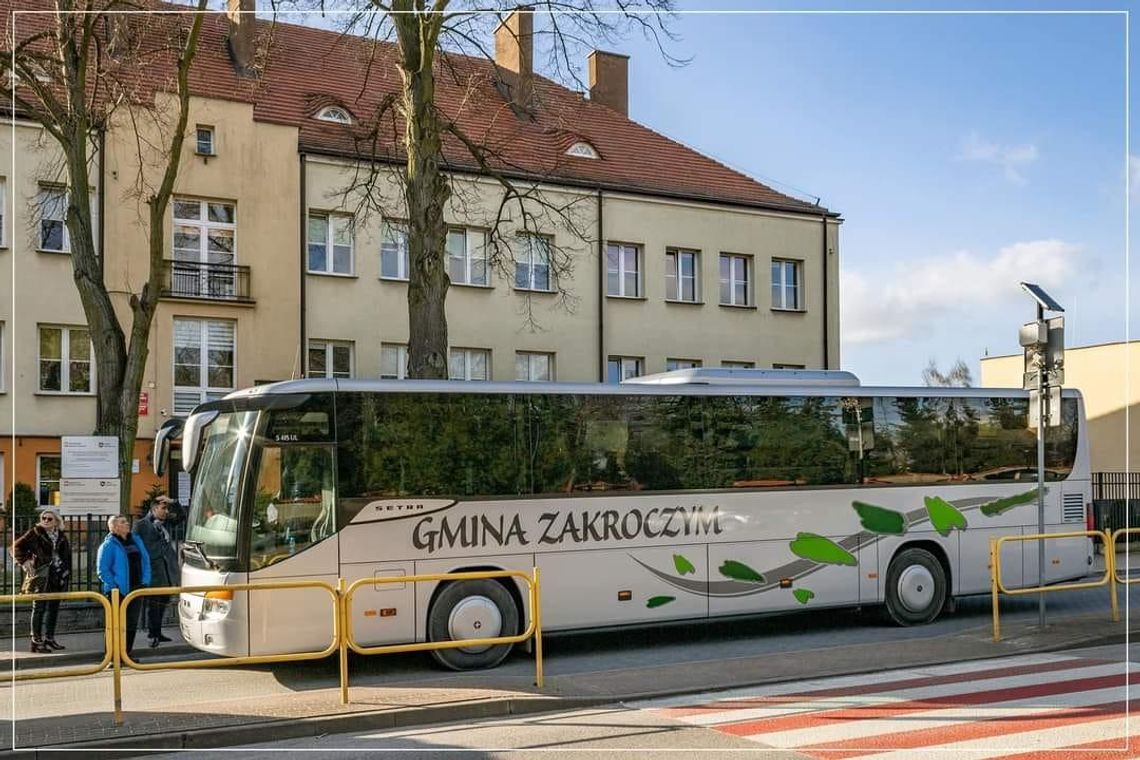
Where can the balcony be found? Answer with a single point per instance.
(210, 282)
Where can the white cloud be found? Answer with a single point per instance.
(1011, 158)
(904, 303)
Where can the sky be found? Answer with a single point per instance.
(965, 152)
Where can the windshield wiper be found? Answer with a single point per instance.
(196, 546)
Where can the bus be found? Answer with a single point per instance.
(684, 496)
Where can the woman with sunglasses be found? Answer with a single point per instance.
(45, 555)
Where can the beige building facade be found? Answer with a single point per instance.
(276, 268)
(1108, 377)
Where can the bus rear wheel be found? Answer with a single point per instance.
(916, 587)
(479, 609)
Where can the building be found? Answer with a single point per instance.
(1108, 377)
(277, 267)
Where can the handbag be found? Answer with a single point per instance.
(35, 581)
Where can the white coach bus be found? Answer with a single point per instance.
(684, 496)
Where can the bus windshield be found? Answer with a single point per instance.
(212, 526)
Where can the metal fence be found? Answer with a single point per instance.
(1116, 502)
(84, 533)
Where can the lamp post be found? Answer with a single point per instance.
(1044, 344)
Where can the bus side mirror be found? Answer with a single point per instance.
(160, 455)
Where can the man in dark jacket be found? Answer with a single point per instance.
(154, 531)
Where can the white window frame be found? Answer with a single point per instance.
(676, 255)
(330, 219)
(779, 269)
(64, 360)
(621, 271)
(401, 249)
(730, 364)
(524, 257)
(329, 348)
(39, 476)
(213, 147)
(732, 281)
(466, 355)
(205, 391)
(582, 149)
(530, 357)
(474, 249)
(205, 226)
(334, 115)
(401, 361)
(44, 191)
(627, 367)
(675, 364)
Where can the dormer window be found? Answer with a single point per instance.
(334, 114)
(582, 150)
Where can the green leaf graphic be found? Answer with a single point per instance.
(740, 572)
(684, 566)
(657, 601)
(803, 595)
(820, 549)
(880, 520)
(943, 515)
(998, 506)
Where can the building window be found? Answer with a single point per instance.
(734, 274)
(582, 150)
(788, 366)
(335, 115)
(534, 367)
(205, 247)
(53, 213)
(620, 368)
(786, 279)
(532, 263)
(623, 270)
(393, 361)
(738, 365)
(330, 243)
(329, 358)
(394, 251)
(672, 364)
(204, 141)
(467, 256)
(681, 275)
(65, 360)
(48, 468)
(469, 364)
(203, 361)
(3, 374)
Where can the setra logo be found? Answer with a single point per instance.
(392, 509)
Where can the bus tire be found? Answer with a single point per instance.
(916, 587)
(467, 610)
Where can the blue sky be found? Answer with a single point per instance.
(965, 152)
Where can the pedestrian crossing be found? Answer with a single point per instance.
(1032, 707)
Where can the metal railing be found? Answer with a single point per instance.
(197, 279)
(998, 587)
(115, 628)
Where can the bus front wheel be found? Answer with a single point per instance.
(916, 587)
(479, 609)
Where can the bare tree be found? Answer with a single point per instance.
(81, 69)
(411, 141)
(957, 377)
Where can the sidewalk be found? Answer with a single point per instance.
(230, 719)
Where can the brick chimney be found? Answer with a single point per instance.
(242, 29)
(514, 55)
(609, 80)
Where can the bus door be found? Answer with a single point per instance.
(292, 536)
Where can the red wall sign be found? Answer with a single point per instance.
(144, 403)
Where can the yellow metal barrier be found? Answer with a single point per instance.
(108, 626)
(1110, 560)
(996, 585)
(534, 627)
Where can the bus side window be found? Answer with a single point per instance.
(293, 504)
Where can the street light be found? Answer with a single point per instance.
(1044, 344)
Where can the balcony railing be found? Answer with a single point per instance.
(195, 279)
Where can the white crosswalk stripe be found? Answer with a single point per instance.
(1041, 706)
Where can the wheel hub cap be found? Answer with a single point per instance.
(476, 617)
(916, 588)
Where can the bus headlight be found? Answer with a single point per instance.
(217, 604)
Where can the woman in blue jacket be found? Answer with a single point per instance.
(124, 564)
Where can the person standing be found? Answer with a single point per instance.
(45, 555)
(154, 531)
(123, 564)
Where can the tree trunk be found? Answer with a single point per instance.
(426, 192)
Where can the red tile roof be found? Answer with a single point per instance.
(304, 69)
